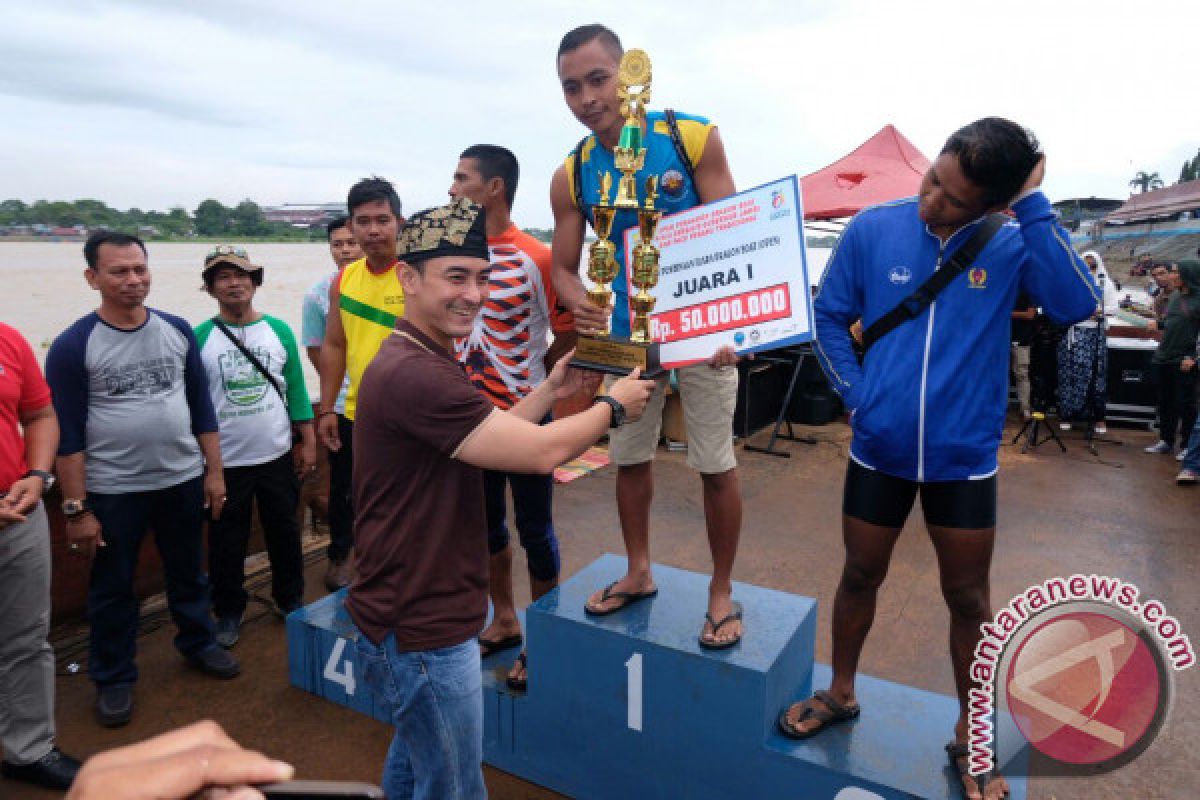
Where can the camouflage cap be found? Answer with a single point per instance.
(455, 229)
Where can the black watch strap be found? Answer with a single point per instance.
(618, 410)
(47, 478)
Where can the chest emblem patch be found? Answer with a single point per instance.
(672, 183)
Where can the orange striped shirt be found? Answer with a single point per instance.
(503, 356)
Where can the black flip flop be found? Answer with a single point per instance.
(627, 598)
(833, 713)
(957, 750)
(735, 614)
(489, 646)
(519, 684)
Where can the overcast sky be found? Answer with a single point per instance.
(155, 103)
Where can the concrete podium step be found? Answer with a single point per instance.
(630, 705)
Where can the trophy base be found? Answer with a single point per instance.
(617, 355)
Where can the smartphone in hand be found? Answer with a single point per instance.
(321, 790)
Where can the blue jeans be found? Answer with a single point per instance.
(533, 499)
(1192, 461)
(177, 516)
(436, 703)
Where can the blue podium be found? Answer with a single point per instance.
(630, 705)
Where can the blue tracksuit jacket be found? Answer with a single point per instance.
(930, 398)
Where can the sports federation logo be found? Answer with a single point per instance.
(900, 275)
(672, 183)
(977, 278)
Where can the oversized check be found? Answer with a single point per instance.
(732, 272)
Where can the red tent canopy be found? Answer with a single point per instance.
(885, 167)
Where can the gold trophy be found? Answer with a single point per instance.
(645, 265)
(604, 352)
(602, 254)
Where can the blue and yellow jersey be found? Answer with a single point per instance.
(675, 189)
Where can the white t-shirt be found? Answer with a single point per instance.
(255, 423)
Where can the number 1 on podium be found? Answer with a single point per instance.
(633, 669)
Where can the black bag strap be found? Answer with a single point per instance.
(577, 173)
(251, 358)
(915, 304)
(676, 140)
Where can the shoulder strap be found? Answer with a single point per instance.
(677, 140)
(577, 174)
(250, 357)
(916, 303)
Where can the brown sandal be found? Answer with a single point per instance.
(833, 713)
(519, 684)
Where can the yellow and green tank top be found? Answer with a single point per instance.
(369, 305)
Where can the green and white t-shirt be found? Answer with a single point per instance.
(255, 425)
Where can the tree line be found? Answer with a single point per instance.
(210, 218)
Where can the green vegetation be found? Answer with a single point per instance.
(1191, 169)
(1145, 181)
(210, 219)
(541, 234)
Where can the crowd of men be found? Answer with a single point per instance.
(442, 342)
(1071, 366)
(1175, 289)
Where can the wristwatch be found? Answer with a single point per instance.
(73, 508)
(47, 478)
(618, 410)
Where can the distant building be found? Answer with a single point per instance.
(304, 215)
(1077, 212)
(1180, 202)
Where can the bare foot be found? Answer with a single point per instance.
(501, 628)
(620, 594)
(990, 786)
(997, 788)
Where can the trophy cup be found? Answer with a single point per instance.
(602, 258)
(605, 352)
(645, 265)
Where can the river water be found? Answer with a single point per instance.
(42, 289)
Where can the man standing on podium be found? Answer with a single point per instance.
(686, 154)
(928, 402)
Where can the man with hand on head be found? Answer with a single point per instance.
(422, 440)
(257, 387)
(929, 399)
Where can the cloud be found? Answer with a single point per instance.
(160, 102)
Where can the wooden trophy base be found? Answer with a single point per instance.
(617, 355)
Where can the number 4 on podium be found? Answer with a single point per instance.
(340, 672)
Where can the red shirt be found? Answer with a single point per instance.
(22, 390)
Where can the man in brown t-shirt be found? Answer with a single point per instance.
(422, 436)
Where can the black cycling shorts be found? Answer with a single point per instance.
(882, 499)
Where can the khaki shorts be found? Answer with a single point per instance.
(708, 396)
